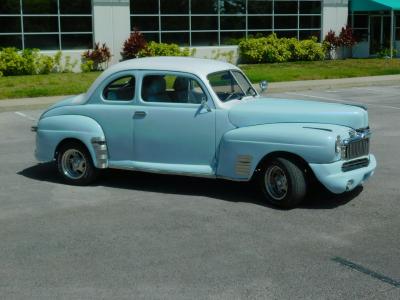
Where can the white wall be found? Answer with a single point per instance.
(75, 57)
(112, 24)
(228, 54)
(334, 15)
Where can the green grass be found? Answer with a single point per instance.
(321, 69)
(70, 83)
(45, 85)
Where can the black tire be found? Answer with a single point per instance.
(87, 172)
(282, 174)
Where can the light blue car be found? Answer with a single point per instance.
(201, 117)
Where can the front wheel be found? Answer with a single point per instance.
(75, 164)
(283, 183)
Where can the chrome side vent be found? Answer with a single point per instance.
(243, 165)
(100, 149)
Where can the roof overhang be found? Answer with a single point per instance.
(374, 5)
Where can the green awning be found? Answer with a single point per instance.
(374, 5)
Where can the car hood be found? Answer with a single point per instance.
(74, 100)
(267, 111)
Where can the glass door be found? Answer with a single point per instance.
(379, 33)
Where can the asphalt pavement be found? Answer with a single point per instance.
(145, 236)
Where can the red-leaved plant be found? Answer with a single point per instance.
(331, 40)
(133, 45)
(100, 56)
(346, 37)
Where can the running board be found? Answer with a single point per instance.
(160, 168)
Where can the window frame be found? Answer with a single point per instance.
(240, 87)
(144, 73)
(246, 30)
(59, 33)
(111, 79)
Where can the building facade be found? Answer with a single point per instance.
(74, 25)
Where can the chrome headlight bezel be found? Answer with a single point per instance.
(338, 145)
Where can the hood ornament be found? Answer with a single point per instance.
(352, 133)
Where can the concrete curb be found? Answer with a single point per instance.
(274, 87)
(29, 103)
(303, 85)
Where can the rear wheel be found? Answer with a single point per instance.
(75, 164)
(282, 182)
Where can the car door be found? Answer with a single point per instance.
(113, 106)
(175, 123)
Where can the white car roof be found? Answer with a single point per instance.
(198, 66)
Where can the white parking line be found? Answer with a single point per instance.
(376, 91)
(344, 101)
(25, 116)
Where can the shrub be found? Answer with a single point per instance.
(306, 50)
(162, 49)
(11, 62)
(100, 56)
(346, 37)
(46, 64)
(26, 62)
(252, 50)
(384, 53)
(133, 45)
(63, 66)
(272, 49)
(31, 62)
(331, 41)
(87, 66)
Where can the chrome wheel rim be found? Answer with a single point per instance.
(73, 164)
(276, 183)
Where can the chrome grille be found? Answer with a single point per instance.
(356, 149)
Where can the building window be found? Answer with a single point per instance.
(222, 22)
(360, 24)
(46, 24)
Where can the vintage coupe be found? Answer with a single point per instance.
(202, 117)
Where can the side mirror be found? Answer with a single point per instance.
(263, 85)
(205, 105)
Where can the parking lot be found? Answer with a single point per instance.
(146, 236)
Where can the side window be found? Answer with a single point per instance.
(172, 89)
(121, 89)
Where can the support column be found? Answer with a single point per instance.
(391, 32)
(334, 15)
(111, 24)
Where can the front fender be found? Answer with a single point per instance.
(53, 130)
(242, 149)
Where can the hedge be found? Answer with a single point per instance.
(272, 49)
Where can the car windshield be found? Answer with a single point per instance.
(231, 85)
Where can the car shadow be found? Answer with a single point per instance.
(318, 198)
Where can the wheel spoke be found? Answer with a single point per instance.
(73, 164)
(276, 183)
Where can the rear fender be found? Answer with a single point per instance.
(54, 130)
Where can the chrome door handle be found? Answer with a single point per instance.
(139, 114)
